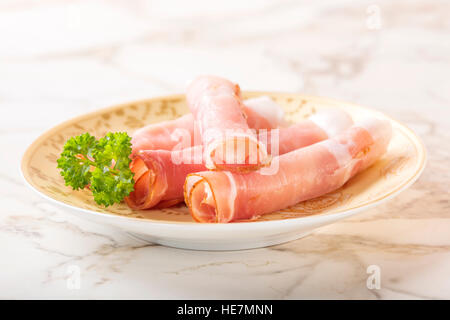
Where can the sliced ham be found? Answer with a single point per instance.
(159, 182)
(161, 135)
(264, 113)
(228, 142)
(303, 174)
(261, 113)
(160, 174)
(318, 127)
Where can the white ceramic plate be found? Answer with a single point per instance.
(398, 169)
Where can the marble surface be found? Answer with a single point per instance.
(59, 59)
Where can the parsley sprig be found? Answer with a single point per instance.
(103, 165)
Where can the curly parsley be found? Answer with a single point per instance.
(103, 165)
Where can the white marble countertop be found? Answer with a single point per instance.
(59, 59)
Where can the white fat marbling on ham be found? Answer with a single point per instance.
(267, 108)
(332, 121)
(338, 150)
(379, 130)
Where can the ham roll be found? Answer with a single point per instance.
(160, 174)
(228, 142)
(318, 127)
(158, 181)
(261, 113)
(161, 135)
(214, 196)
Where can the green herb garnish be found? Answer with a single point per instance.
(103, 165)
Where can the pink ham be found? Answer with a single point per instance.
(161, 135)
(303, 174)
(159, 182)
(160, 174)
(318, 127)
(227, 139)
(261, 113)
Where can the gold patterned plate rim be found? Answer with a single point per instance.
(413, 138)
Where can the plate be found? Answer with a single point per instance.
(399, 168)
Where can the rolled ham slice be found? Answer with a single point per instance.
(318, 127)
(269, 114)
(261, 113)
(160, 174)
(228, 142)
(161, 135)
(158, 180)
(303, 174)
